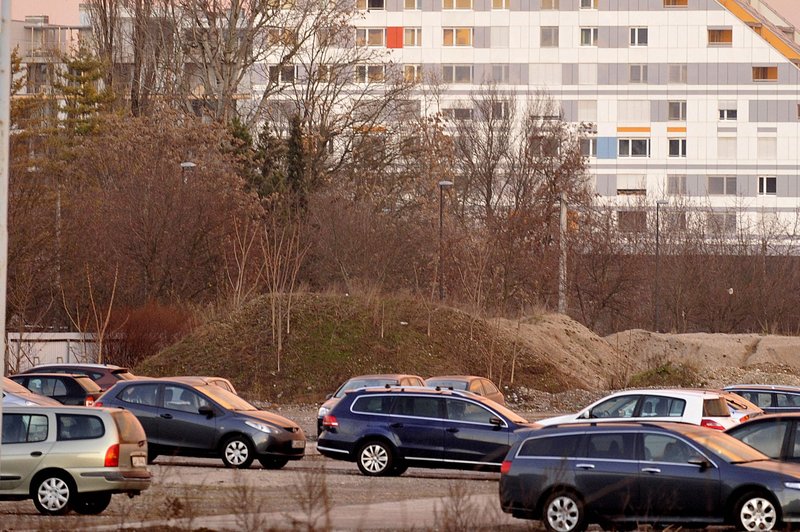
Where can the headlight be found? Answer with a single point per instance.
(263, 427)
(792, 485)
(323, 411)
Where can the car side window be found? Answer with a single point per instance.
(79, 427)
(417, 406)
(489, 388)
(458, 410)
(787, 400)
(766, 437)
(663, 448)
(611, 446)
(24, 428)
(183, 399)
(380, 404)
(761, 399)
(475, 387)
(555, 446)
(417, 382)
(616, 407)
(659, 406)
(140, 394)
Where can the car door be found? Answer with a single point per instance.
(143, 401)
(418, 424)
(606, 473)
(474, 434)
(671, 487)
(620, 407)
(26, 441)
(182, 426)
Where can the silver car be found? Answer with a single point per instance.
(71, 458)
(18, 395)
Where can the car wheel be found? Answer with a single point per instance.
(756, 511)
(375, 458)
(91, 503)
(53, 493)
(268, 462)
(237, 451)
(398, 469)
(563, 512)
(151, 456)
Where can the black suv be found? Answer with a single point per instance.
(623, 474)
(386, 430)
(67, 389)
(105, 375)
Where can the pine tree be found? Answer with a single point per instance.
(83, 102)
(296, 171)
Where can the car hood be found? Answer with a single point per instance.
(32, 399)
(269, 417)
(330, 403)
(774, 466)
(568, 418)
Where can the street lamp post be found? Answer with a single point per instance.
(659, 203)
(442, 185)
(186, 165)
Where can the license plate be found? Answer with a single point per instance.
(298, 444)
(138, 461)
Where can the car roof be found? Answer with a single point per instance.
(385, 376)
(7, 409)
(629, 426)
(46, 374)
(767, 417)
(454, 378)
(162, 380)
(78, 365)
(765, 387)
(671, 392)
(417, 390)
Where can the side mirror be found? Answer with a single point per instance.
(496, 421)
(585, 415)
(206, 411)
(700, 462)
(328, 396)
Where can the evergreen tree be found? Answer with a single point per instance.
(271, 153)
(296, 168)
(78, 86)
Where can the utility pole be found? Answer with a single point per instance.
(562, 257)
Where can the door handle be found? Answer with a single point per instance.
(166, 416)
(651, 470)
(396, 425)
(36, 453)
(452, 429)
(584, 466)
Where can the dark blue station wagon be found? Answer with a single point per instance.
(387, 430)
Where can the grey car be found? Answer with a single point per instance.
(17, 395)
(206, 420)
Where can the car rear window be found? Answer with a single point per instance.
(24, 428)
(88, 384)
(787, 399)
(716, 407)
(378, 404)
(555, 446)
(123, 375)
(79, 427)
(140, 394)
(130, 430)
(456, 385)
(354, 384)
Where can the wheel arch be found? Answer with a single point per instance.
(557, 488)
(376, 437)
(52, 471)
(740, 491)
(232, 434)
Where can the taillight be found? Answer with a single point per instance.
(112, 456)
(329, 422)
(744, 418)
(711, 424)
(98, 403)
(505, 467)
(89, 400)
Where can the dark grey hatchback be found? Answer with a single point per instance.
(205, 420)
(661, 473)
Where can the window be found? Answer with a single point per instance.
(282, 74)
(412, 37)
(587, 74)
(325, 73)
(720, 37)
(79, 427)
(632, 222)
(412, 73)
(722, 185)
(457, 73)
(24, 428)
(549, 37)
(638, 37)
(589, 36)
(766, 437)
(634, 147)
(587, 110)
(638, 73)
(457, 36)
(456, 4)
(726, 148)
(722, 223)
(589, 147)
(276, 36)
(727, 110)
(676, 111)
(676, 3)
(765, 73)
(369, 74)
(459, 410)
(556, 447)
(676, 185)
(141, 394)
(661, 406)
(675, 221)
(615, 406)
(501, 111)
(767, 148)
(678, 73)
(631, 185)
(767, 185)
(369, 4)
(370, 37)
(375, 404)
(458, 113)
(429, 407)
(589, 4)
(677, 147)
(549, 5)
(611, 446)
(667, 449)
(501, 4)
(412, 4)
(499, 73)
(183, 399)
(798, 111)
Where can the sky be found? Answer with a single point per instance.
(64, 12)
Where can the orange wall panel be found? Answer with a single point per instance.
(394, 37)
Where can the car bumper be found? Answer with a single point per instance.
(117, 481)
(331, 448)
(290, 445)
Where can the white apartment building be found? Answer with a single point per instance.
(695, 101)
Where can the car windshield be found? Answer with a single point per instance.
(444, 383)
(14, 387)
(354, 384)
(123, 375)
(727, 447)
(225, 398)
(509, 414)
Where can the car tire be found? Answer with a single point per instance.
(375, 458)
(563, 512)
(398, 469)
(53, 493)
(269, 462)
(91, 503)
(238, 452)
(151, 456)
(756, 511)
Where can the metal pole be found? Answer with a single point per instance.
(562, 258)
(5, 128)
(655, 296)
(441, 224)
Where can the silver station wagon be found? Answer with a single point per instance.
(71, 458)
